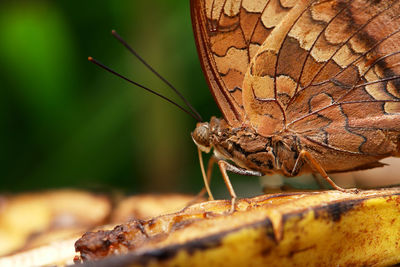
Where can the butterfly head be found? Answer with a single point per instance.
(201, 136)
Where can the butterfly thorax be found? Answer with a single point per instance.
(247, 149)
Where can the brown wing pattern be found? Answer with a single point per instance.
(329, 72)
(228, 34)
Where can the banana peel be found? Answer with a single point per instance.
(33, 219)
(327, 228)
(40, 229)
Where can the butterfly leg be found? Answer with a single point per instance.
(225, 166)
(207, 177)
(304, 155)
(210, 165)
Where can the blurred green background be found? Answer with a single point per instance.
(67, 123)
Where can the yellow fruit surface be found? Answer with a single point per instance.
(300, 229)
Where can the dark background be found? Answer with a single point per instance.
(67, 123)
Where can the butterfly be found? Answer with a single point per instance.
(304, 86)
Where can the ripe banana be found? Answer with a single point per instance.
(40, 229)
(327, 228)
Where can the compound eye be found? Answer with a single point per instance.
(201, 136)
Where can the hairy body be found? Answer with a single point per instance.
(287, 153)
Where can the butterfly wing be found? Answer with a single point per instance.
(228, 34)
(330, 73)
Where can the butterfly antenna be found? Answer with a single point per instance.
(141, 86)
(123, 42)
